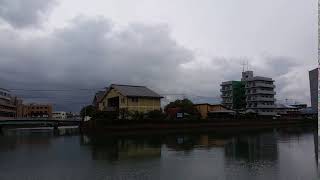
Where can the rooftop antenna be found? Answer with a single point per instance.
(243, 65)
(247, 65)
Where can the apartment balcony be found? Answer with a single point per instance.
(261, 106)
(259, 91)
(4, 104)
(226, 96)
(225, 90)
(5, 97)
(7, 110)
(260, 85)
(261, 99)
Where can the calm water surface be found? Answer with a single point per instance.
(269, 155)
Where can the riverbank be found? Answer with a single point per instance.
(129, 126)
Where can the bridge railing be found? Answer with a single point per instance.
(42, 119)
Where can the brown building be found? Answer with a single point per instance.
(206, 108)
(38, 111)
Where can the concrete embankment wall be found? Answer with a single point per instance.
(218, 125)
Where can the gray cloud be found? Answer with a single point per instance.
(91, 53)
(22, 13)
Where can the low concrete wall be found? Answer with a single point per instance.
(124, 126)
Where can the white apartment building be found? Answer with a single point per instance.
(259, 93)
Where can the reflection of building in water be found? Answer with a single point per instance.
(253, 148)
(189, 142)
(113, 148)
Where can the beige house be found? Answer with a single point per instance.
(130, 98)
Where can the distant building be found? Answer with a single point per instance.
(39, 111)
(7, 106)
(283, 109)
(59, 115)
(20, 108)
(130, 98)
(313, 78)
(205, 109)
(252, 92)
(300, 106)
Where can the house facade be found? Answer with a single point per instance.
(206, 108)
(130, 98)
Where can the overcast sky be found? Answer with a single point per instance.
(171, 46)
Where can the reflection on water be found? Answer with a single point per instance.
(45, 154)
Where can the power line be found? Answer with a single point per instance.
(55, 90)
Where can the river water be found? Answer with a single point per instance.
(41, 154)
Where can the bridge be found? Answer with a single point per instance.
(32, 123)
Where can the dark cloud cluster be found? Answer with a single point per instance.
(25, 13)
(89, 53)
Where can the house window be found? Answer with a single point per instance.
(134, 99)
(122, 100)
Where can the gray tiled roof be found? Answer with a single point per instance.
(98, 96)
(135, 91)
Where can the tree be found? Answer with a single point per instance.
(136, 115)
(185, 106)
(155, 115)
(88, 111)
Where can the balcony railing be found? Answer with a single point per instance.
(261, 99)
(225, 90)
(260, 85)
(5, 97)
(261, 92)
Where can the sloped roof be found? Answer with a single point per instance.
(98, 96)
(198, 104)
(135, 91)
(308, 110)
